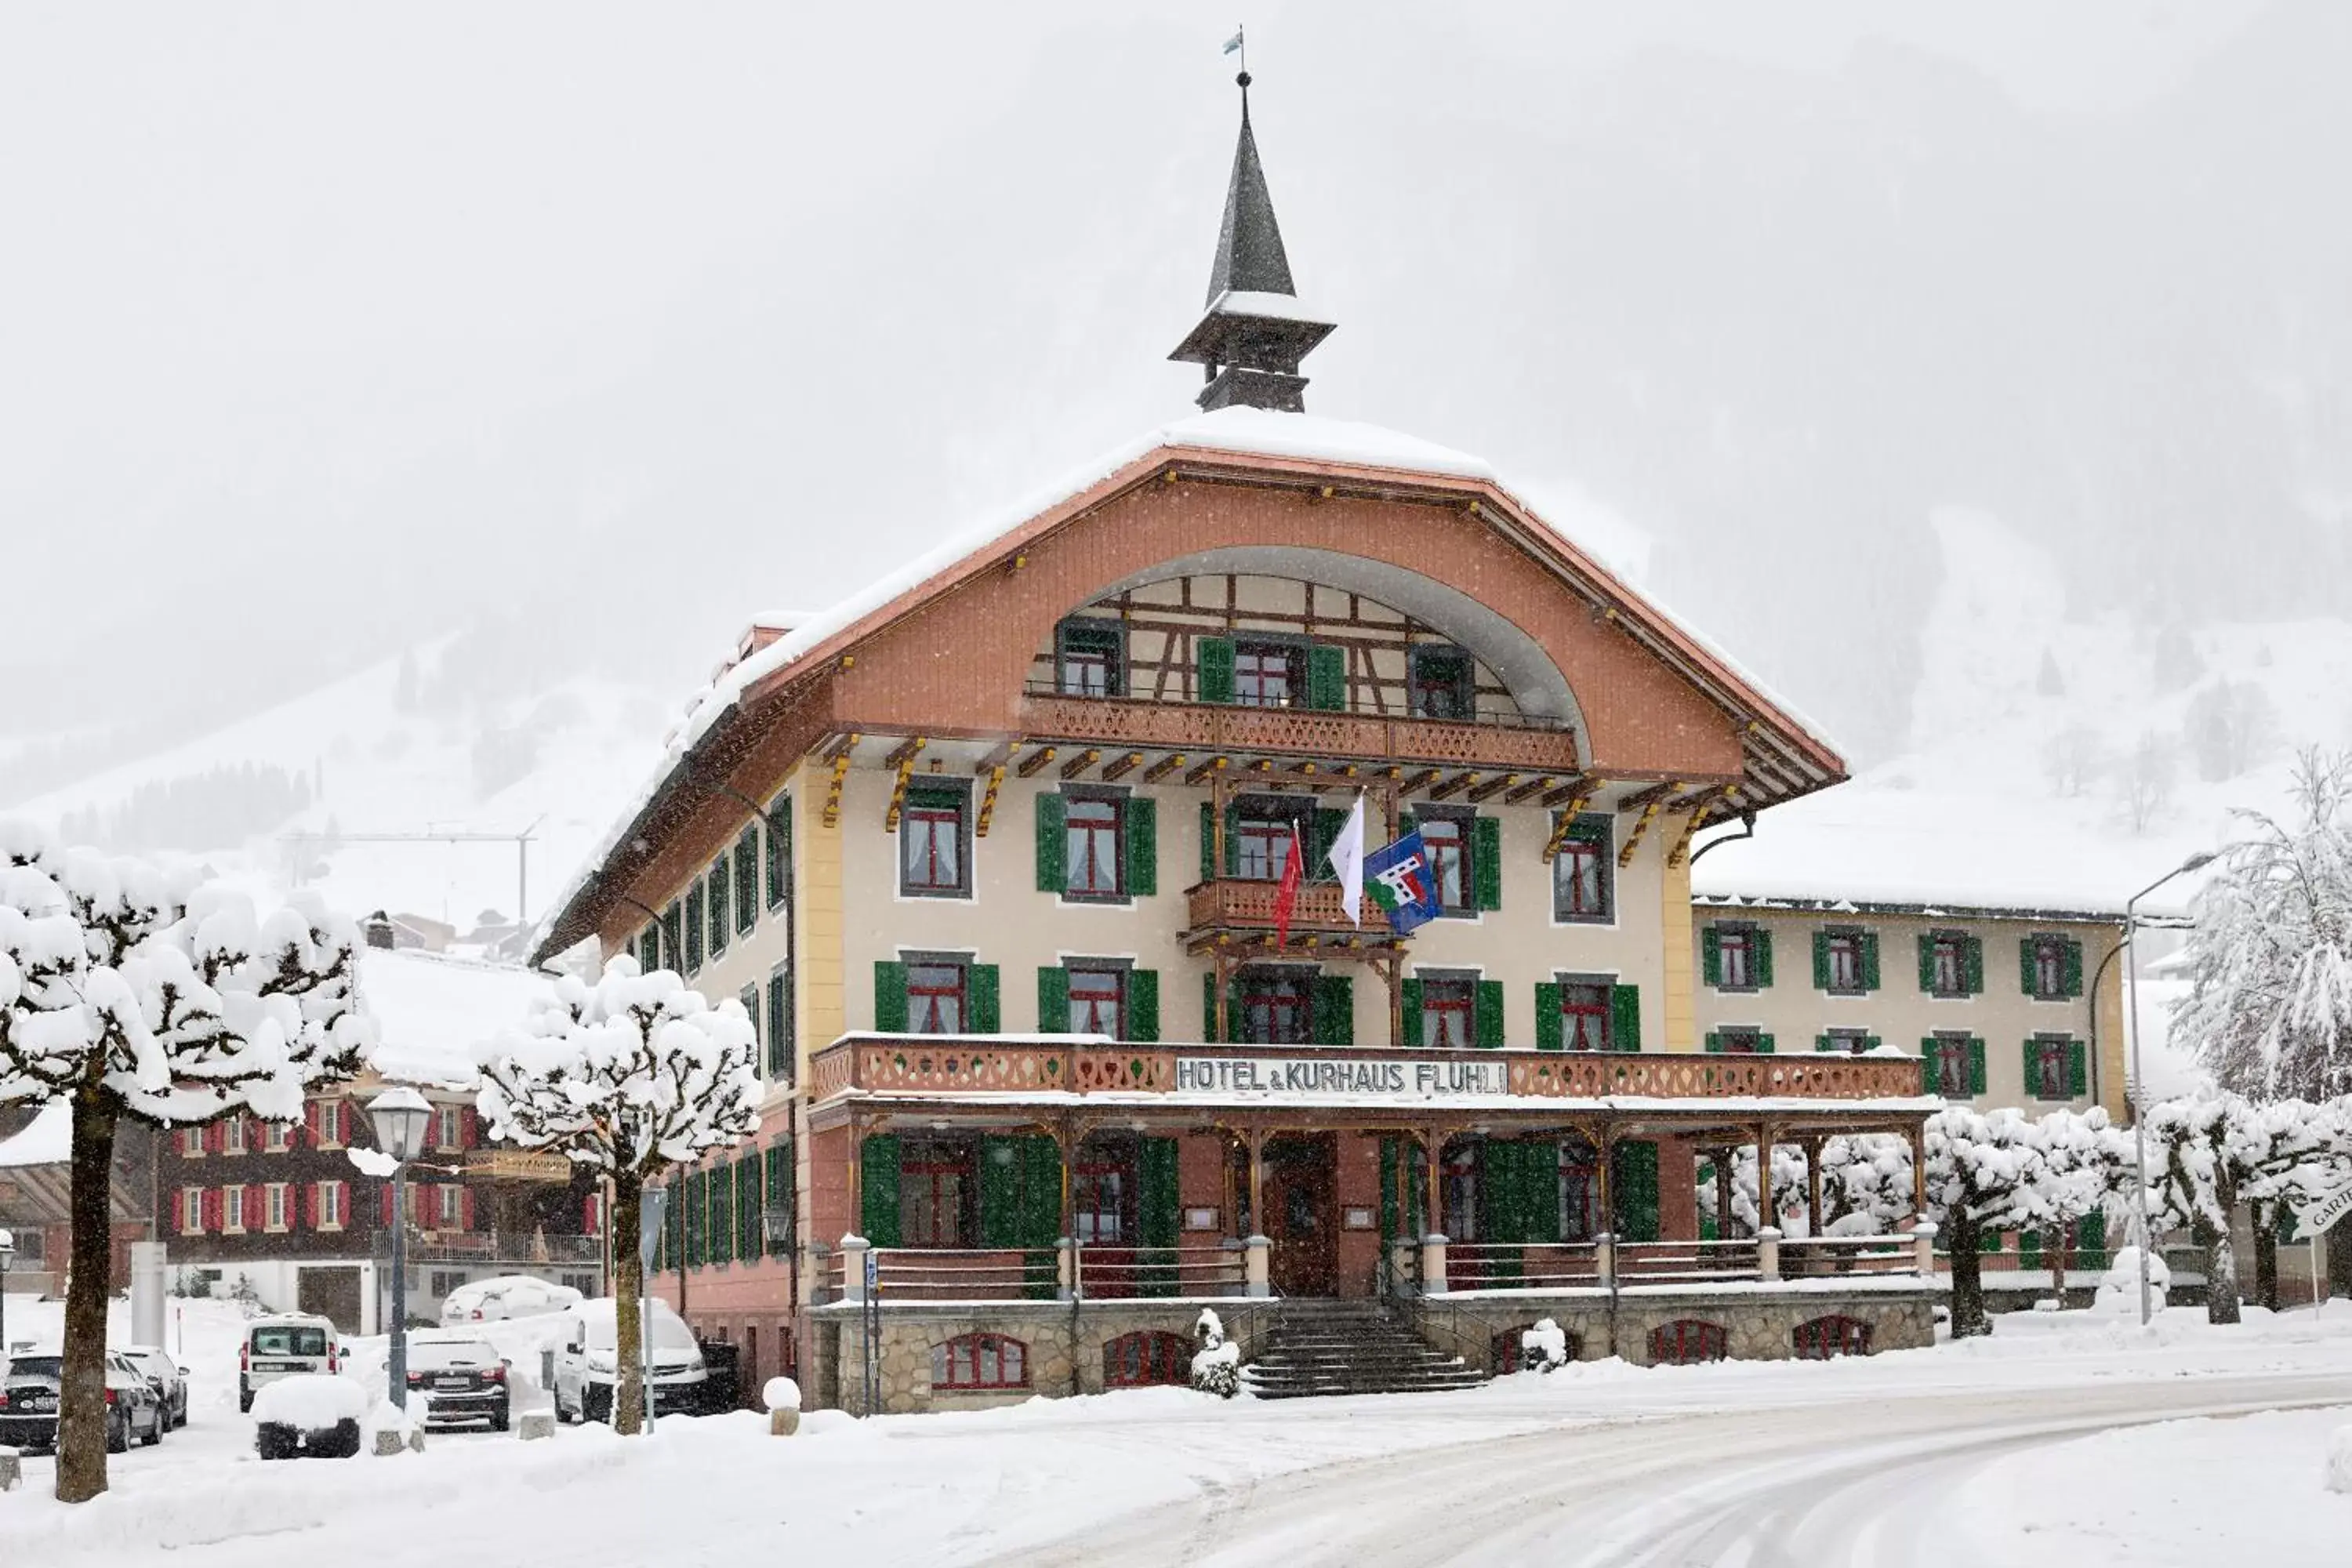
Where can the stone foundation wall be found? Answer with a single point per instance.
(1757, 1326)
(1064, 1351)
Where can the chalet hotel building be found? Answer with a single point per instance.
(991, 853)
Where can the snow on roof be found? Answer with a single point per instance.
(432, 1008)
(1258, 302)
(47, 1139)
(1871, 843)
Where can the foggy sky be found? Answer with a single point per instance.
(325, 328)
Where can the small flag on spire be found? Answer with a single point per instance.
(1235, 42)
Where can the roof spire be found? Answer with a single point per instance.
(1254, 332)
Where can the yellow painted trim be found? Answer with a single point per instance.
(1680, 957)
(817, 997)
(2107, 1004)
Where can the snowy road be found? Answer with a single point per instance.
(1865, 1482)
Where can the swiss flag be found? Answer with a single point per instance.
(1285, 896)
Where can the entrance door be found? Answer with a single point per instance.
(1300, 1217)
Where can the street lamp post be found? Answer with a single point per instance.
(399, 1116)
(8, 1256)
(2138, 1083)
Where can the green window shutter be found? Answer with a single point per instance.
(722, 906)
(1821, 960)
(1976, 1065)
(1214, 658)
(1391, 1211)
(1486, 1017)
(674, 1222)
(2025, 964)
(2073, 967)
(694, 927)
(1409, 1005)
(1763, 958)
(1041, 1195)
(1624, 1017)
(1710, 956)
(1715, 1042)
(1334, 1010)
(1871, 1042)
(1142, 821)
(1209, 1008)
(2091, 1242)
(1053, 1000)
(1158, 1217)
(1551, 1034)
(1326, 678)
(2078, 1068)
(1927, 963)
(987, 1014)
(2033, 1087)
(1208, 842)
(1973, 966)
(1539, 1192)
(722, 1214)
(1821, 1042)
(1764, 1046)
(1143, 1006)
(2028, 1249)
(1633, 1172)
(778, 849)
(1486, 862)
(1053, 843)
(1870, 961)
(889, 997)
(999, 1190)
(878, 1188)
(747, 879)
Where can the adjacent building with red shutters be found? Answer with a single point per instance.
(280, 1211)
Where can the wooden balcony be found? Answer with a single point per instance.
(892, 1066)
(1210, 729)
(1232, 907)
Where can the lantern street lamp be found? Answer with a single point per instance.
(399, 1116)
(2197, 861)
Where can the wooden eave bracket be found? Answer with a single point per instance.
(902, 757)
(988, 801)
(1655, 799)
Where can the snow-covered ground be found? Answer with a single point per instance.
(1994, 1446)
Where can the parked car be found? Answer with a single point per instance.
(170, 1383)
(586, 1363)
(284, 1346)
(29, 1395)
(301, 1412)
(462, 1377)
(507, 1295)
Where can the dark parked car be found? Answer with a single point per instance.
(463, 1378)
(28, 1404)
(165, 1376)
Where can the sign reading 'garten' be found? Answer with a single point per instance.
(1310, 1075)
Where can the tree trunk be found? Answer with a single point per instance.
(2221, 1264)
(2265, 1217)
(81, 1407)
(1961, 1237)
(628, 1314)
(2337, 1253)
(2065, 1242)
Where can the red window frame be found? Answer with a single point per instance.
(1741, 1042)
(1581, 879)
(1585, 1008)
(1449, 1014)
(1265, 674)
(1098, 1001)
(923, 869)
(1844, 961)
(1147, 1358)
(935, 1005)
(1820, 1339)
(1095, 862)
(1581, 1218)
(1458, 1193)
(980, 1361)
(2049, 968)
(1949, 965)
(1734, 965)
(937, 1182)
(1102, 1189)
(1952, 1066)
(1087, 660)
(1450, 696)
(1270, 998)
(2050, 1064)
(1687, 1341)
(1261, 847)
(1447, 839)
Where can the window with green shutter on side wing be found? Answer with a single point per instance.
(1549, 1035)
(1053, 843)
(1486, 1013)
(1143, 1006)
(1625, 1018)
(1212, 661)
(1326, 678)
(1139, 820)
(1486, 862)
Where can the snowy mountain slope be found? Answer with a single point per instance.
(380, 758)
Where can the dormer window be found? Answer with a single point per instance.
(1089, 657)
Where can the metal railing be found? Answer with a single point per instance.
(1510, 1266)
(492, 1246)
(1094, 1272)
(1686, 1262)
(1808, 1257)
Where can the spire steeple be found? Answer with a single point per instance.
(1254, 332)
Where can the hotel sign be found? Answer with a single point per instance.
(1268, 1075)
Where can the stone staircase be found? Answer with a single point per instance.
(1348, 1347)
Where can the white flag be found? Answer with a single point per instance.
(1348, 859)
(1232, 43)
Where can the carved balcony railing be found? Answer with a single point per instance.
(894, 1066)
(1209, 727)
(1240, 904)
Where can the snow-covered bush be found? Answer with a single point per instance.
(2119, 1293)
(139, 993)
(2340, 1459)
(1217, 1365)
(629, 1077)
(1544, 1346)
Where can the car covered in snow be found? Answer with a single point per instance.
(462, 1378)
(166, 1377)
(587, 1361)
(507, 1295)
(288, 1345)
(30, 1388)
(313, 1413)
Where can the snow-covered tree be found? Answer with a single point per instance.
(1747, 1217)
(2088, 1168)
(1865, 1184)
(628, 1076)
(1984, 1173)
(2146, 779)
(134, 991)
(2212, 1150)
(2269, 1007)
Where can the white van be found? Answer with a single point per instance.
(586, 1362)
(281, 1346)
